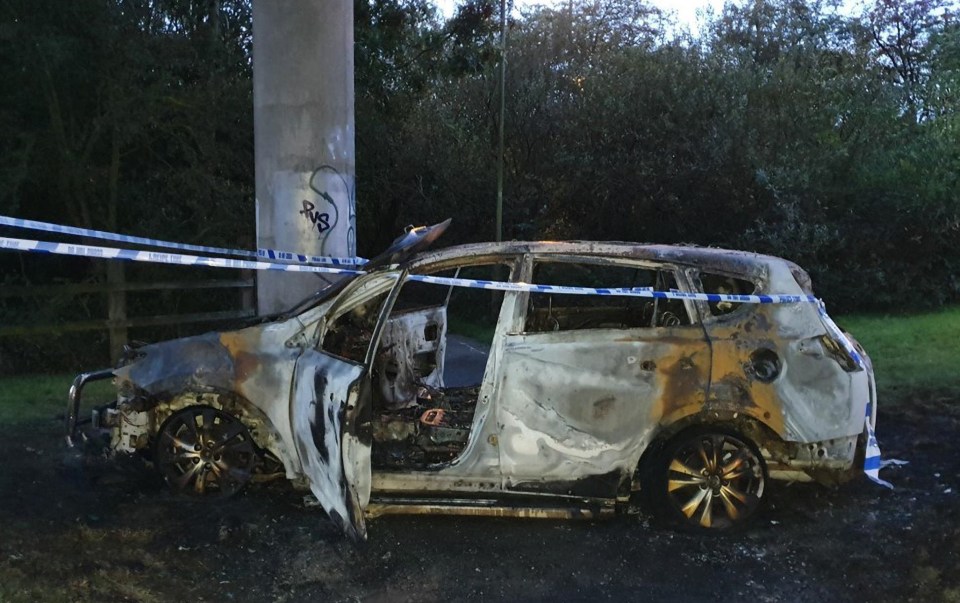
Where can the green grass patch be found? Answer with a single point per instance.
(911, 352)
(32, 397)
(472, 330)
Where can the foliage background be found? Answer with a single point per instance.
(786, 127)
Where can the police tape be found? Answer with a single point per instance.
(272, 254)
(647, 292)
(92, 251)
(838, 335)
(872, 463)
(644, 292)
(159, 257)
(300, 258)
(194, 260)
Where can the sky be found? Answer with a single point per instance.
(686, 9)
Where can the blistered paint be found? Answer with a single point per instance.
(812, 398)
(578, 404)
(256, 363)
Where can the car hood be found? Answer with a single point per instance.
(241, 360)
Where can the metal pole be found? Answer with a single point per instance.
(503, 102)
(303, 138)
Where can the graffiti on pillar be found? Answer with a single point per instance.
(320, 221)
(326, 218)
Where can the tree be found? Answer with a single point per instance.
(901, 31)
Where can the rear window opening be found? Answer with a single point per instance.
(726, 285)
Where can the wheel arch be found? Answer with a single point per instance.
(701, 509)
(761, 435)
(258, 424)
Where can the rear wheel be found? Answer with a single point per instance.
(203, 451)
(710, 478)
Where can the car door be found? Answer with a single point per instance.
(331, 389)
(329, 403)
(586, 379)
(331, 454)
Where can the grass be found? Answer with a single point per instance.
(33, 397)
(471, 330)
(912, 352)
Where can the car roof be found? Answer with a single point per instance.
(724, 260)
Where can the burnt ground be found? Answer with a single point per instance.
(78, 532)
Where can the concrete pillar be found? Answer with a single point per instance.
(303, 138)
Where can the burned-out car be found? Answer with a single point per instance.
(400, 390)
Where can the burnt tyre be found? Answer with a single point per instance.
(710, 479)
(203, 451)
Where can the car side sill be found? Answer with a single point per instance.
(484, 508)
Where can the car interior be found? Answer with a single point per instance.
(428, 367)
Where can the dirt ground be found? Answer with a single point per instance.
(73, 531)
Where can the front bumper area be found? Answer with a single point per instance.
(74, 397)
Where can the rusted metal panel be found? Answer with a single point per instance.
(808, 399)
(578, 404)
(257, 364)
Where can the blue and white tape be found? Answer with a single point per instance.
(194, 260)
(872, 463)
(288, 256)
(613, 291)
(273, 254)
(113, 253)
(839, 336)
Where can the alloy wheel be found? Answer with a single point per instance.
(713, 479)
(203, 451)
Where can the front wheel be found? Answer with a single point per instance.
(203, 451)
(710, 478)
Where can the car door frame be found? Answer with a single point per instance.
(476, 470)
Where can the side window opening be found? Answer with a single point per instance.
(473, 313)
(564, 312)
(428, 369)
(349, 334)
(719, 283)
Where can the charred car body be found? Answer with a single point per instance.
(556, 406)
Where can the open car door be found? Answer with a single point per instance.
(324, 412)
(330, 405)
